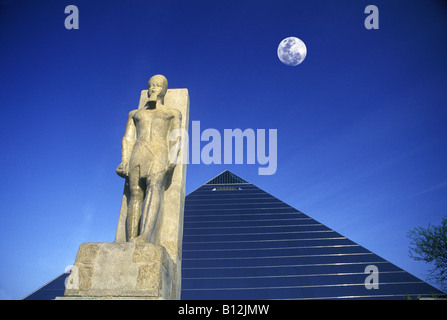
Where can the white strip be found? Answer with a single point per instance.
(354, 297)
(236, 197)
(244, 214)
(288, 275)
(210, 194)
(213, 209)
(249, 220)
(275, 201)
(252, 234)
(285, 257)
(234, 204)
(286, 265)
(265, 240)
(300, 287)
(273, 248)
(251, 227)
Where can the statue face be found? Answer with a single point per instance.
(157, 86)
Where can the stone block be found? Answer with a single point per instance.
(121, 270)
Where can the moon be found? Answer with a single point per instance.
(292, 51)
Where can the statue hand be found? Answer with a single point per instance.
(170, 168)
(168, 176)
(123, 170)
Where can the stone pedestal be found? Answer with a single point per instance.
(121, 270)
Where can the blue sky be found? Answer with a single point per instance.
(362, 138)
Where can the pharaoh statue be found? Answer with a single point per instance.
(148, 159)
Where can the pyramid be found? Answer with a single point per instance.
(240, 242)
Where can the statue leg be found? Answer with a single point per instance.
(134, 207)
(152, 206)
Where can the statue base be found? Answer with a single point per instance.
(120, 270)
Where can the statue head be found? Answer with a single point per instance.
(157, 87)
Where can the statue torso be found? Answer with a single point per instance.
(153, 125)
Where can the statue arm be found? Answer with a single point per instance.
(127, 144)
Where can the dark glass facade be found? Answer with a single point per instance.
(240, 242)
(51, 290)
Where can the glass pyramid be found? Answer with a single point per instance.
(240, 242)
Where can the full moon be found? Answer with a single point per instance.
(292, 51)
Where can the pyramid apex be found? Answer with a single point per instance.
(226, 177)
